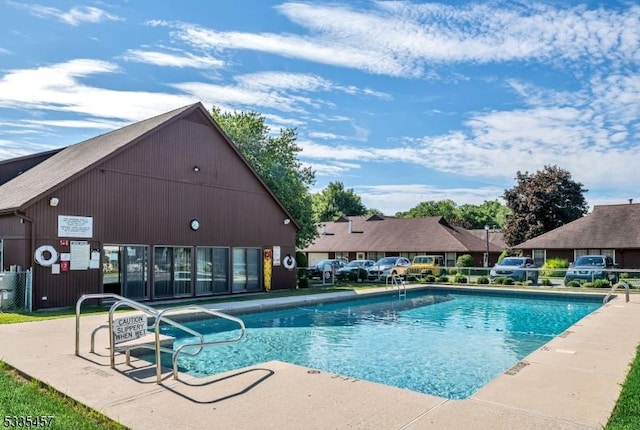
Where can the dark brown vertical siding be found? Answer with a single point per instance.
(147, 195)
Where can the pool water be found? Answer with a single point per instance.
(446, 344)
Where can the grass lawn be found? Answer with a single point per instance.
(23, 401)
(626, 415)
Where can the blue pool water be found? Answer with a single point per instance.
(448, 349)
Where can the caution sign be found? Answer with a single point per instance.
(129, 328)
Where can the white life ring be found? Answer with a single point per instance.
(288, 262)
(40, 258)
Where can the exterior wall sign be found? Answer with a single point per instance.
(80, 255)
(129, 328)
(276, 255)
(75, 226)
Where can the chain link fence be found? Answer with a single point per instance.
(15, 291)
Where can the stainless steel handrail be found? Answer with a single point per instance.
(174, 358)
(153, 312)
(160, 316)
(402, 288)
(613, 289)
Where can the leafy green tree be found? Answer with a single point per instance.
(274, 158)
(541, 202)
(336, 201)
(491, 213)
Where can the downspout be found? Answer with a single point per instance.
(32, 249)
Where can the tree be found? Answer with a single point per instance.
(491, 213)
(541, 202)
(274, 158)
(334, 202)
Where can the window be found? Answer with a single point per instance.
(450, 259)
(124, 270)
(375, 256)
(539, 256)
(212, 270)
(246, 269)
(172, 271)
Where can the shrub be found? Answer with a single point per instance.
(508, 281)
(546, 282)
(624, 275)
(301, 259)
(452, 271)
(573, 284)
(442, 279)
(430, 278)
(499, 281)
(482, 280)
(601, 283)
(303, 282)
(549, 268)
(587, 285)
(465, 260)
(460, 279)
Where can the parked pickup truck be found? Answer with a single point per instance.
(423, 265)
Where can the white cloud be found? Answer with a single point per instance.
(166, 59)
(75, 16)
(391, 199)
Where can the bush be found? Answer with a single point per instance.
(573, 284)
(587, 285)
(549, 268)
(482, 280)
(465, 260)
(508, 281)
(452, 271)
(460, 279)
(442, 279)
(499, 281)
(601, 283)
(301, 259)
(624, 275)
(430, 278)
(546, 282)
(303, 282)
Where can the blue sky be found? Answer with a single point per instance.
(402, 101)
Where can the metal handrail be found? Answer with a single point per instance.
(202, 344)
(160, 316)
(153, 312)
(401, 284)
(613, 289)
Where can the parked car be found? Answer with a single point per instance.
(318, 270)
(355, 270)
(516, 269)
(588, 268)
(423, 265)
(388, 266)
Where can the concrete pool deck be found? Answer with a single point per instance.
(572, 382)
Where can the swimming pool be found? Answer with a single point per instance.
(443, 343)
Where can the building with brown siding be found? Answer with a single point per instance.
(612, 230)
(378, 236)
(164, 208)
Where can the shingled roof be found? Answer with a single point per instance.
(381, 234)
(76, 159)
(607, 226)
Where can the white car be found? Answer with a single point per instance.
(388, 266)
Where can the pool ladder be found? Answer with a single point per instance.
(613, 289)
(160, 316)
(398, 281)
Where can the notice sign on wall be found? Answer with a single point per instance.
(129, 328)
(75, 226)
(80, 255)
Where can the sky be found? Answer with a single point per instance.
(403, 102)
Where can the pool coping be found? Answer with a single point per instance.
(571, 382)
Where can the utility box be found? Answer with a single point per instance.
(8, 287)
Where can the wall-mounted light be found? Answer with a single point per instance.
(53, 201)
(286, 221)
(196, 168)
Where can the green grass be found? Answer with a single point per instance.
(626, 414)
(23, 398)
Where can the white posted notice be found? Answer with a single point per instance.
(129, 328)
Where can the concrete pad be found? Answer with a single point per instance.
(472, 414)
(570, 394)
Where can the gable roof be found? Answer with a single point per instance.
(607, 226)
(73, 161)
(428, 234)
